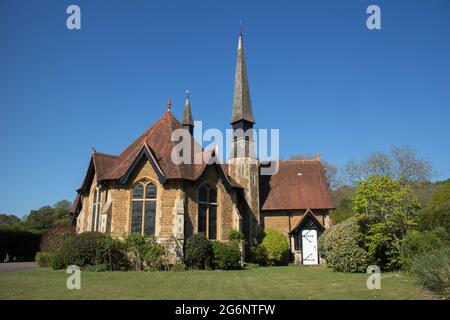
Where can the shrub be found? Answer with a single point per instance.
(437, 212)
(433, 271)
(54, 238)
(259, 255)
(197, 252)
(417, 243)
(115, 255)
(57, 261)
(225, 256)
(83, 249)
(341, 246)
(276, 246)
(144, 252)
(18, 244)
(43, 259)
(236, 238)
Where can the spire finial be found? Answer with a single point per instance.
(169, 104)
(240, 27)
(187, 93)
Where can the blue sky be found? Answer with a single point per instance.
(316, 72)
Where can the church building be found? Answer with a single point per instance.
(141, 190)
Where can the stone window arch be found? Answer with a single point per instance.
(143, 208)
(207, 212)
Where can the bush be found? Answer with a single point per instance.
(144, 252)
(57, 261)
(276, 245)
(43, 259)
(417, 243)
(236, 238)
(115, 255)
(197, 252)
(18, 244)
(259, 255)
(433, 271)
(341, 246)
(225, 256)
(84, 249)
(54, 238)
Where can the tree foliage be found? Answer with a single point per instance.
(401, 164)
(388, 209)
(437, 212)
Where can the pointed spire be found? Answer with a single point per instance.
(242, 107)
(187, 114)
(169, 105)
(187, 120)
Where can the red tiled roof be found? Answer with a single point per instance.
(158, 139)
(298, 184)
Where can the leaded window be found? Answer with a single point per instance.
(143, 215)
(207, 212)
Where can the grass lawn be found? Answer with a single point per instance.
(261, 283)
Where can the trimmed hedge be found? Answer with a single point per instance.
(341, 246)
(276, 246)
(18, 244)
(225, 256)
(433, 271)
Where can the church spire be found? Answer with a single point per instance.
(242, 107)
(187, 120)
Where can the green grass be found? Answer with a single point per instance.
(260, 283)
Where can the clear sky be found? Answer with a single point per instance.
(316, 72)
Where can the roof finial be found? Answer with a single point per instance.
(187, 93)
(93, 150)
(169, 104)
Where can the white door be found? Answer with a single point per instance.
(309, 247)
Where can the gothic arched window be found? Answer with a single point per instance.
(143, 219)
(95, 211)
(207, 212)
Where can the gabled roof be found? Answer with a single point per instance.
(298, 185)
(156, 145)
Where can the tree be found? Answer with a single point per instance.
(9, 220)
(63, 204)
(437, 212)
(401, 163)
(330, 170)
(47, 217)
(388, 209)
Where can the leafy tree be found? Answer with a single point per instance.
(343, 199)
(330, 170)
(9, 220)
(63, 204)
(47, 217)
(388, 209)
(437, 212)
